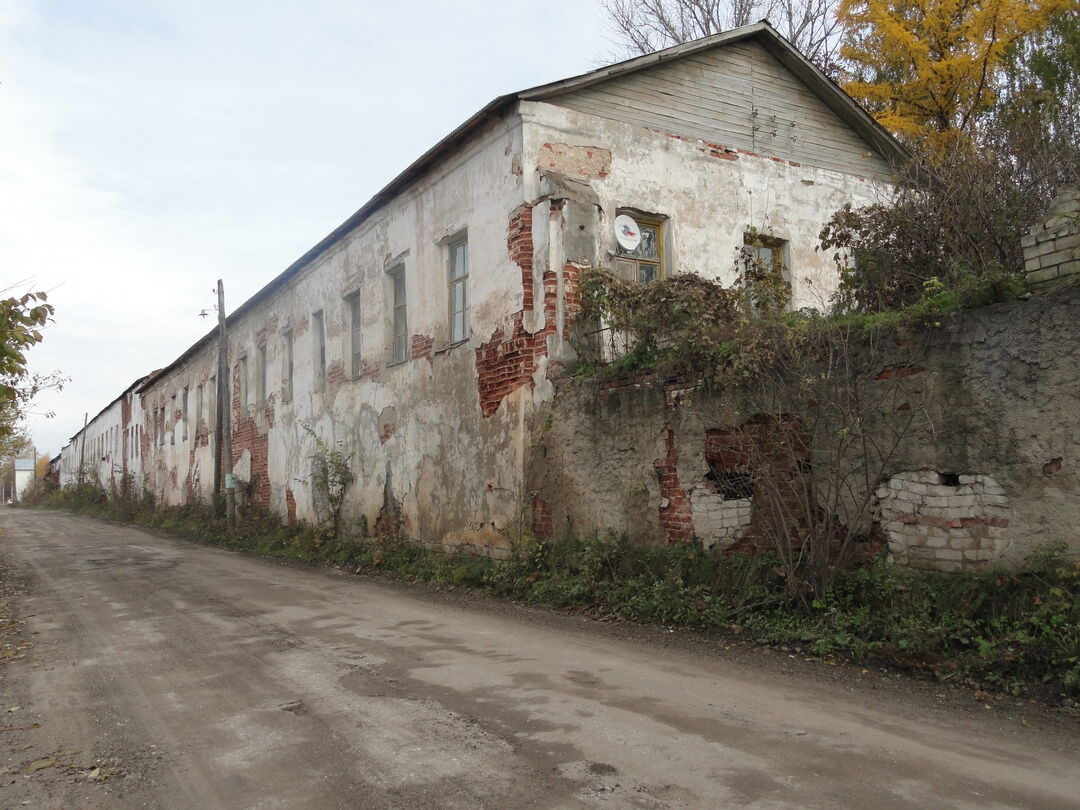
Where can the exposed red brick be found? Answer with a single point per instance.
(1052, 466)
(543, 527)
(892, 371)
(421, 347)
(904, 406)
(290, 506)
(269, 328)
(335, 373)
(676, 514)
(246, 436)
(508, 360)
(520, 246)
(386, 430)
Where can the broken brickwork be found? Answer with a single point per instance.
(508, 360)
(943, 521)
(1052, 248)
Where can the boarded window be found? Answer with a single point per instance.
(184, 411)
(172, 415)
(459, 290)
(199, 391)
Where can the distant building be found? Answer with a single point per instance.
(24, 476)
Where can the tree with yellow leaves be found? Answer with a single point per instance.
(929, 68)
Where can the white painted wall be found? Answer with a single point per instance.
(710, 202)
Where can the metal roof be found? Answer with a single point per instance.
(803, 69)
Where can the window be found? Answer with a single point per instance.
(318, 336)
(399, 327)
(459, 290)
(198, 406)
(768, 254)
(242, 382)
(260, 376)
(355, 320)
(184, 408)
(287, 370)
(646, 262)
(172, 415)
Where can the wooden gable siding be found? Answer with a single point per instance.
(714, 96)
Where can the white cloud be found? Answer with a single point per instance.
(149, 147)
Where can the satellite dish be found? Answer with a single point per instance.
(627, 232)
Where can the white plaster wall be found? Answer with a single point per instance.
(23, 479)
(456, 474)
(710, 201)
(101, 448)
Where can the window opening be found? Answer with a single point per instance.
(400, 327)
(646, 262)
(287, 375)
(354, 332)
(459, 290)
(260, 376)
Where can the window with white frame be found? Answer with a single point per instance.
(399, 320)
(459, 288)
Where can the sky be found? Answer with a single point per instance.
(151, 147)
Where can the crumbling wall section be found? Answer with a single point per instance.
(986, 420)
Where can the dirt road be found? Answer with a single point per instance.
(169, 675)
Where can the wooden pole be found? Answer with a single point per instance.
(223, 458)
(82, 448)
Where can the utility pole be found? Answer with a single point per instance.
(82, 447)
(223, 449)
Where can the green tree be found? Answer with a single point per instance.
(21, 321)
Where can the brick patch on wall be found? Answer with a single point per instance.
(246, 436)
(543, 527)
(508, 361)
(421, 347)
(676, 513)
(943, 521)
(290, 506)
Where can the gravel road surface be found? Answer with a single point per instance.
(153, 672)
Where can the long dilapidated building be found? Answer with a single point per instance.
(420, 337)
